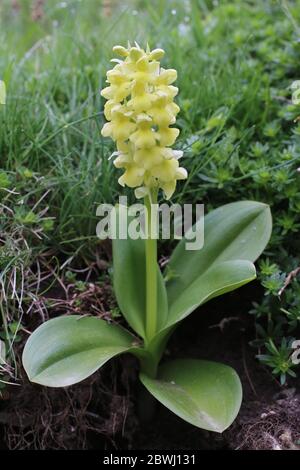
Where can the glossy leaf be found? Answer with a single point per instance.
(129, 274)
(221, 278)
(66, 350)
(237, 231)
(203, 393)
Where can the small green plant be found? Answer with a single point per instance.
(279, 313)
(66, 350)
(279, 309)
(279, 359)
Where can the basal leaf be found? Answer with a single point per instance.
(66, 350)
(203, 393)
(233, 234)
(219, 279)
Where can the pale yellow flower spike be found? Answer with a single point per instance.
(140, 110)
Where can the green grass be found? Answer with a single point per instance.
(235, 62)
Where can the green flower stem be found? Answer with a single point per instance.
(151, 269)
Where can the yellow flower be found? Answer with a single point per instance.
(149, 157)
(144, 136)
(168, 135)
(140, 110)
(121, 126)
(133, 176)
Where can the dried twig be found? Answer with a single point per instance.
(288, 280)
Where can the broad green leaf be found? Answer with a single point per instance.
(236, 231)
(219, 279)
(129, 274)
(2, 92)
(66, 350)
(203, 393)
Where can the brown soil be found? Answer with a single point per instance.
(111, 410)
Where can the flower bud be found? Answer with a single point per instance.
(157, 54)
(120, 50)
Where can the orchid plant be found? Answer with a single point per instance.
(140, 111)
